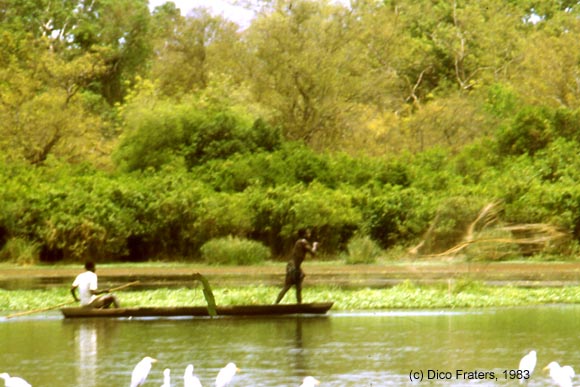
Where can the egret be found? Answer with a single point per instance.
(528, 363)
(226, 374)
(141, 371)
(562, 376)
(13, 381)
(166, 378)
(309, 381)
(189, 379)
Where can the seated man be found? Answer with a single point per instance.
(89, 294)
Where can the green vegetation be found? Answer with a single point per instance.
(362, 249)
(404, 296)
(420, 128)
(234, 251)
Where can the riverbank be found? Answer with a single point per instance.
(328, 273)
(428, 285)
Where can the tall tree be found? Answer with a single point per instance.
(304, 64)
(119, 29)
(549, 72)
(469, 42)
(42, 112)
(192, 50)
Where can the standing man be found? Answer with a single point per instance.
(89, 294)
(294, 273)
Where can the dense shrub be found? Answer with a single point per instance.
(20, 251)
(501, 101)
(155, 137)
(362, 249)
(243, 180)
(278, 213)
(432, 171)
(180, 214)
(529, 131)
(294, 163)
(567, 124)
(396, 216)
(234, 251)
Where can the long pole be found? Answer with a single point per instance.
(46, 309)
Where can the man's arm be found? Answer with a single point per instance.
(97, 292)
(74, 293)
(94, 287)
(310, 248)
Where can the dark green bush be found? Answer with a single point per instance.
(396, 216)
(567, 124)
(278, 213)
(234, 251)
(294, 163)
(529, 131)
(153, 137)
(156, 137)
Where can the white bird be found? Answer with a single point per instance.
(141, 371)
(528, 363)
(189, 379)
(562, 376)
(166, 378)
(13, 381)
(226, 374)
(309, 381)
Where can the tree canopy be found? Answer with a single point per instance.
(378, 105)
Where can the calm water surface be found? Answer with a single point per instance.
(342, 349)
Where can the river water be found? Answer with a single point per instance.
(341, 349)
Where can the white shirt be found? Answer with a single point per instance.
(86, 282)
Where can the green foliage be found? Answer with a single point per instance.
(362, 249)
(529, 131)
(395, 216)
(567, 124)
(78, 213)
(216, 136)
(463, 293)
(279, 212)
(216, 131)
(501, 100)
(20, 251)
(477, 162)
(294, 163)
(153, 138)
(168, 131)
(234, 251)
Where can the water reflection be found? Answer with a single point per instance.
(86, 343)
(341, 350)
(298, 349)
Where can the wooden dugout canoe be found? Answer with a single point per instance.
(317, 308)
